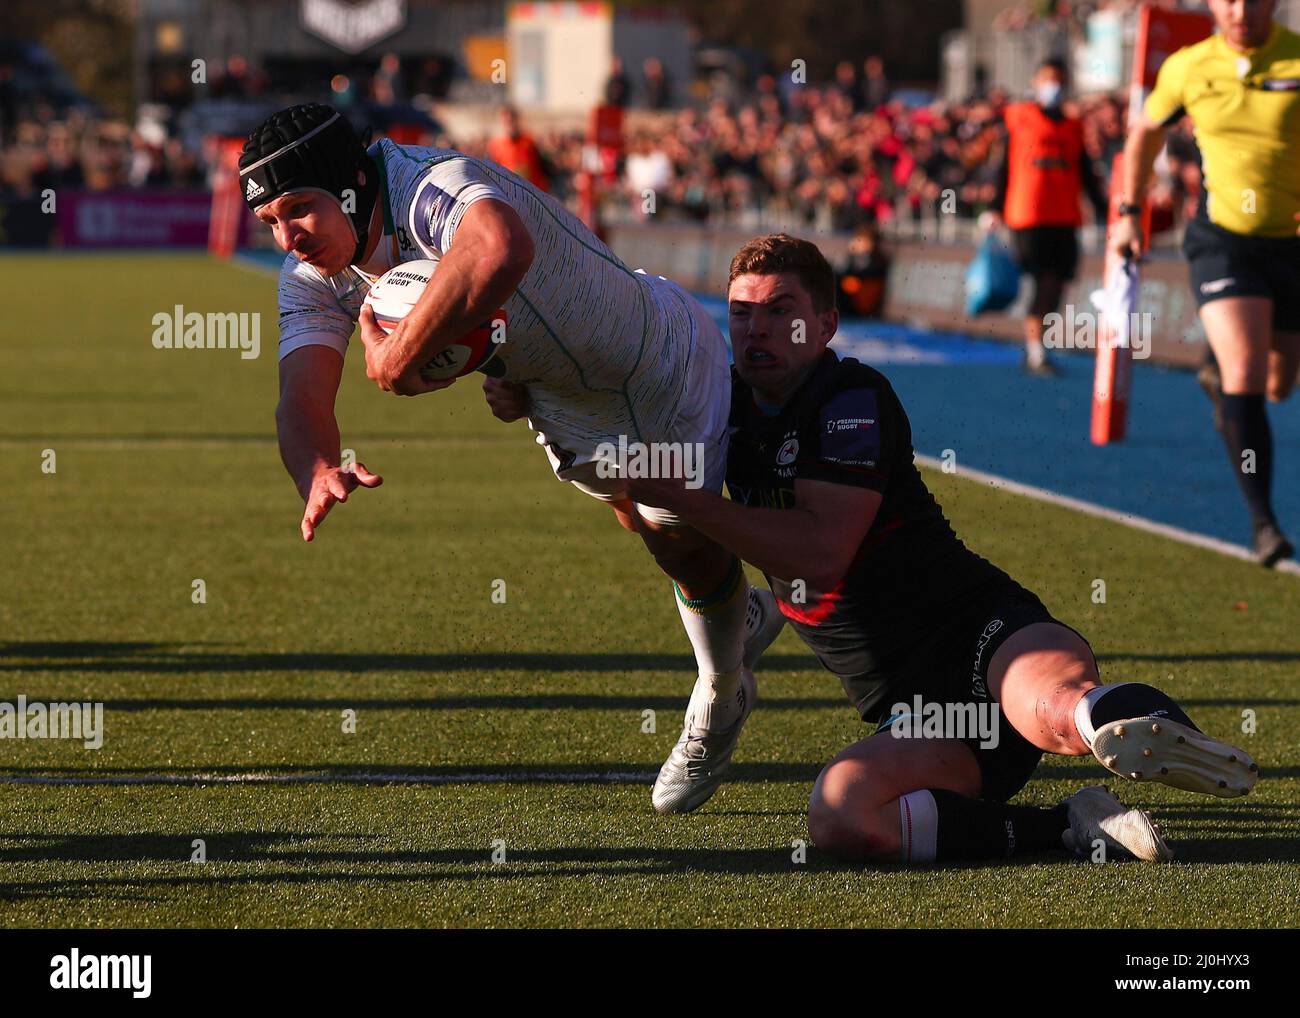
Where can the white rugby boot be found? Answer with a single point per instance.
(1095, 814)
(763, 624)
(1157, 749)
(696, 766)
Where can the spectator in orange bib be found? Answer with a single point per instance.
(517, 151)
(1045, 171)
(861, 277)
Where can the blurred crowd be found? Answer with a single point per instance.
(81, 151)
(1027, 15)
(835, 156)
(851, 153)
(48, 145)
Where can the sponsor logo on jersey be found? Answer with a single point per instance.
(849, 424)
(767, 498)
(850, 433)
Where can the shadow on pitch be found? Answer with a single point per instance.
(44, 656)
(307, 862)
(443, 775)
(315, 849)
(1225, 655)
(524, 701)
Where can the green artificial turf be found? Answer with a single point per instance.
(527, 715)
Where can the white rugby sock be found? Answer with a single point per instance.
(715, 626)
(918, 819)
(1083, 711)
(717, 701)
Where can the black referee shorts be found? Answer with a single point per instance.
(1228, 264)
(952, 668)
(1047, 250)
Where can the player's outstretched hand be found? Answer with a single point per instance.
(332, 485)
(384, 361)
(508, 401)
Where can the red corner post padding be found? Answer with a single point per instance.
(227, 203)
(1160, 33)
(1113, 377)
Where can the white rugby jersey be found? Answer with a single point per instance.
(604, 350)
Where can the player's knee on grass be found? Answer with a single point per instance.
(848, 816)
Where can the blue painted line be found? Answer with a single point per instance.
(1172, 467)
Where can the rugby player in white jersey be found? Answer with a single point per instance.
(603, 353)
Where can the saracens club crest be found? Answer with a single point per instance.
(355, 25)
(788, 451)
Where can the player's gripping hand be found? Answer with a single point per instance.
(1125, 239)
(669, 493)
(385, 363)
(508, 401)
(330, 485)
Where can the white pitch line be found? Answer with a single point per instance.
(1113, 515)
(258, 778)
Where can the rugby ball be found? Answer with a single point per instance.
(391, 298)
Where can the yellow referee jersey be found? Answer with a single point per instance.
(1246, 111)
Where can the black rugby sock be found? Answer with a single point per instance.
(960, 828)
(1246, 429)
(1104, 704)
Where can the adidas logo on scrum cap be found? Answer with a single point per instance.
(253, 189)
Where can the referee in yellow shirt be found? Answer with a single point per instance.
(1241, 88)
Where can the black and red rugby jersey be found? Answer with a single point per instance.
(845, 425)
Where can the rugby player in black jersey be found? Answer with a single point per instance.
(827, 502)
